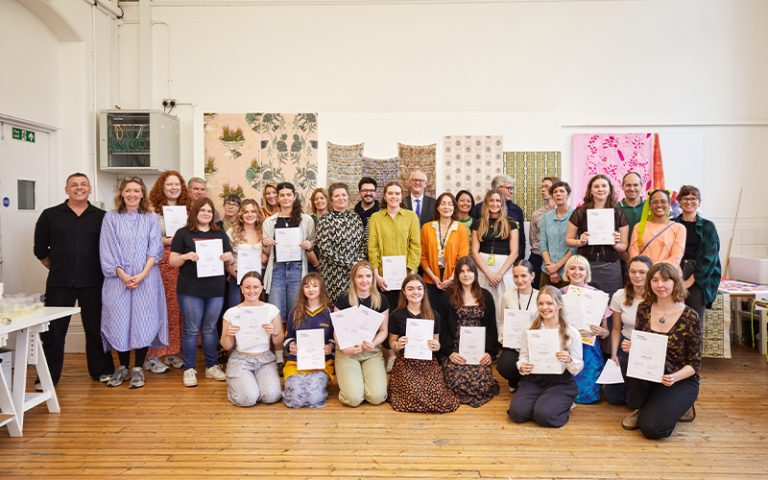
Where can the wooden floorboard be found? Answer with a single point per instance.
(167, 431)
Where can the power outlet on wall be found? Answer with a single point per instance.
(169, 102)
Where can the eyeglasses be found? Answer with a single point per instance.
(419, 180)
(508, 188)
(688, 199)
(367, 190)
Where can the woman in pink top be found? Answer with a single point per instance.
(656, 236)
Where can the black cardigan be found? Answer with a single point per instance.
(449, 321)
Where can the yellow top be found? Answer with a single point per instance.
(389, 236)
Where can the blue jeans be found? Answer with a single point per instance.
(286, 278)
(200, 314)
(233, 293)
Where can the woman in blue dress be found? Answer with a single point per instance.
(134, 314)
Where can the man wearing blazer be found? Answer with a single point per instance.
(416, 200)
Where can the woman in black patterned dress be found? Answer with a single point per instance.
(465, 304)
(416, 386)
(339, 239)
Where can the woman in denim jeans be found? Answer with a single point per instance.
(200, 299)
(282, 278)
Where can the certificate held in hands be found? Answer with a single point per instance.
(600, 225)
(419, 332)
(209, 254)
(543, 346)
(251, 337)
(472, 344)
(174, 217)
(248, 260)
(310, 349)
(647, 356)
(393, 271)
(288, 240)
(516, 322)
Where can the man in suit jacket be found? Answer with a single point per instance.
(416, 200)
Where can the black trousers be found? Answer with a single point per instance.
(695, 300)
(506, 364)
(89, 300)
(661, 407)
(536, 261)
(545, 399)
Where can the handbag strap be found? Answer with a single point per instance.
(655, 236)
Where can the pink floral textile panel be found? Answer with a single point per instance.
(613, 155)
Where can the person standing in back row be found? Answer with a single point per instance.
(417, 201)
(67, 244)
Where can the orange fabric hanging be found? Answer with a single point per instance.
(658, 166)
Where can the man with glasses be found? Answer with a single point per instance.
(416, 200)
(67, 244)
(506, 186)
(368, 205)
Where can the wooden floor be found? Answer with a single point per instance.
(166, 430)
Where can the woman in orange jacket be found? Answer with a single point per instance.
(443, 241)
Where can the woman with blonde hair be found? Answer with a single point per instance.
(245, 234)
(547, 398)
(269, 204)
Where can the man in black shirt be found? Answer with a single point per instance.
(67, 244)
(368, 205)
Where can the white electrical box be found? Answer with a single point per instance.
(138, 141)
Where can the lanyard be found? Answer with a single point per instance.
(518, 301)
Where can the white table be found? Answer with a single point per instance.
(24, 332)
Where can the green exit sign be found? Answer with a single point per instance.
(23, 135)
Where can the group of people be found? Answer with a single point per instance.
(464, 267)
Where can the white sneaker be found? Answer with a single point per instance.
(390, 363)
(190, 377)
(216, 373)
(154, 365)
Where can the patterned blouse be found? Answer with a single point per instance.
(685, 342)
(341, 243)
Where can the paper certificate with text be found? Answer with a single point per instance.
(174, 217)
(601, 226)
(419, 332)
(584, 307)
(288, 240)
(516, 322)
(647, 356)
(209, 262)
(543, 346)
(248, 260)
(393, 271)
(251, 337)
(310, 349)
(472, 344)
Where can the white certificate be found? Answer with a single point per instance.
(584, 306)
(394, 271)
(209, 254)
(174, 217)
(647, 356)
(251, 337)
(543, 346)
(516, 322)
(248, 260)
(611, 374)
(368, 322)
(600, 225)
(310, 349)
(472, 344)
(288, 240)
(419, 332)
(344, 327)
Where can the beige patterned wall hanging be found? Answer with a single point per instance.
(528, 168)
(418, 157)
(345, 166)
(471, 162)
(383, 170)
(245, 150)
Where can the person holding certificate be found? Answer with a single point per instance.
(133, 313)
(169, 194)
(656, 236)
(394, 246)
(416, 385)
(360, 369)
(577, 274)
(245, 236)
(519, 300)
(249, 329)
(494, 248)
(195, 251)
(308, 388)
(624, 310)
(547, 398)
(287, 240)
(659, 406)
(340, 241)
(443, 242)
(585, 228)
(466, 304)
